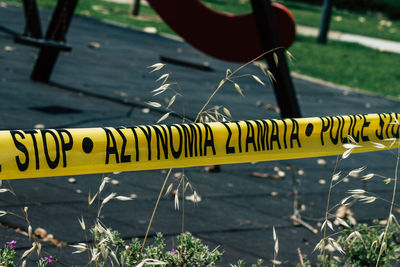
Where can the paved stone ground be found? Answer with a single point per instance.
(108, 86)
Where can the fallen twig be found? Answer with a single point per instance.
(296, 217)
(300, 257)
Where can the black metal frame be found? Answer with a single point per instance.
(32, 20)
(325, 20)
(54, 41)
(282, 82)
(57, 32)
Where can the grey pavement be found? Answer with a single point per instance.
(108, 86)
(371, 42)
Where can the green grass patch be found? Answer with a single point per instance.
(120, 13)
(348, 64)
(230, 6)
(373, 25)
(115, 12)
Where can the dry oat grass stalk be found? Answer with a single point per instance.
(230, 76)
(204, 115)
(391, 217)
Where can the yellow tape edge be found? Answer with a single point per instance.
(58, 152)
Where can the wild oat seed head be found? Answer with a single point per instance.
(154, 104)
(367, 176)
(336, 176)
(163, 77)
(171, 101)
(258, 80)
(356, 191)
(163, 117)
(108, 198)
(355, 173)
(156, 67)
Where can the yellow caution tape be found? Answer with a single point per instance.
(56, 152)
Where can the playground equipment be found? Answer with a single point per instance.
(54, 40)
(56, 32)
(220, 35)
(239, 38)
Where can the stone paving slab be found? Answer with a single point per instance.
(109, 87)
(374, 43)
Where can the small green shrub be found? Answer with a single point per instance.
(362, 244)
(7, 254)
(242, 263)
(189, 251)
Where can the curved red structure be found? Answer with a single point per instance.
(224, 36)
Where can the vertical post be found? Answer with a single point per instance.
(56, 31)
(32, 19)
(269, 36)
(325, 20)
(136, 7)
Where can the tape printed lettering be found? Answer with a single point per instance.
(31, 153)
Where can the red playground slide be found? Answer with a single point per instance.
(224, 36)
